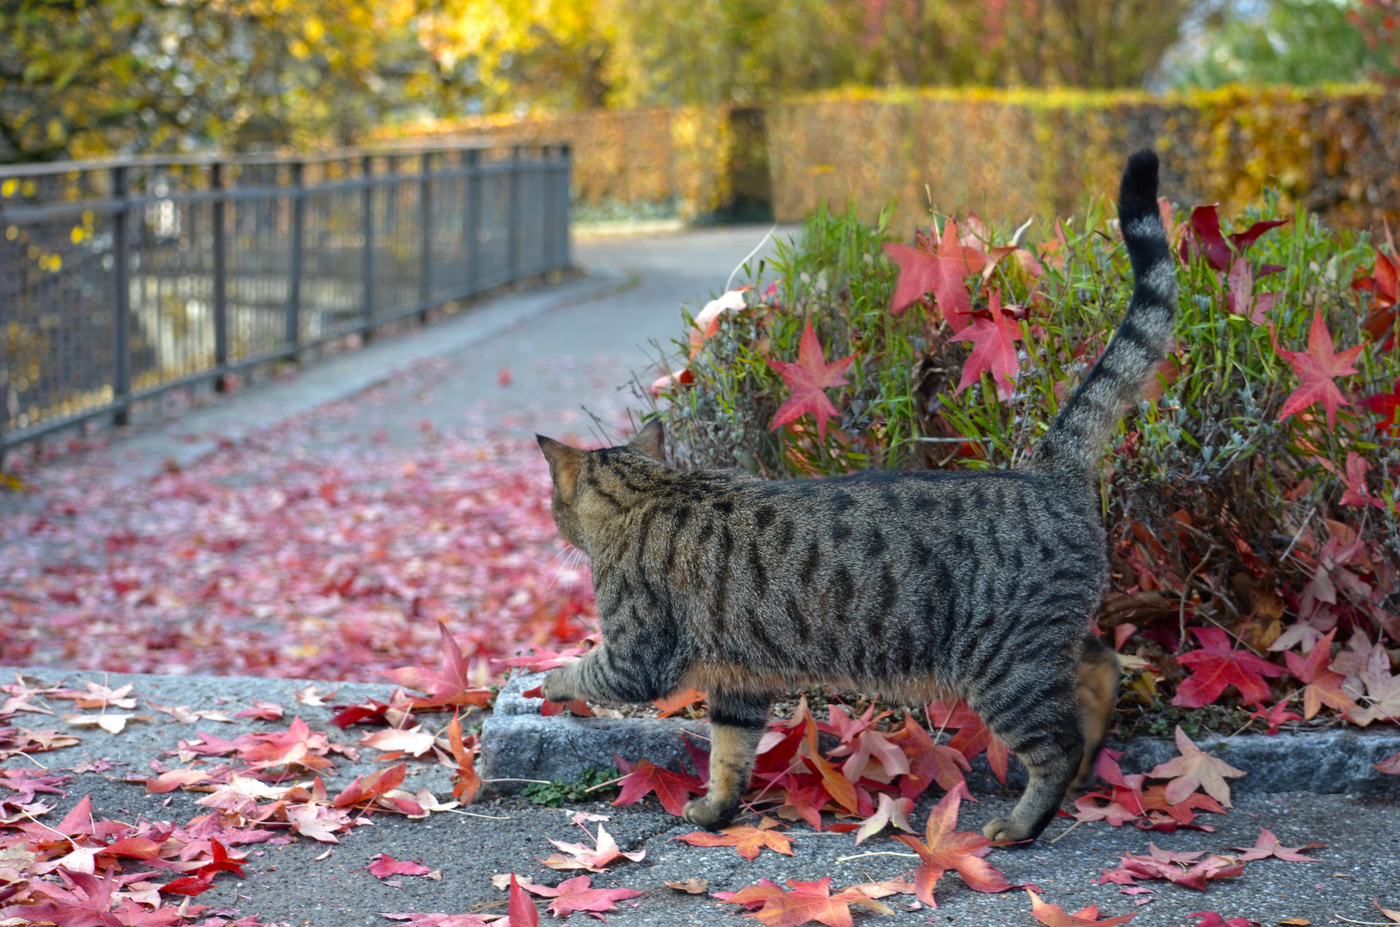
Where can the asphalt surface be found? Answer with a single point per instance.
(566, 350)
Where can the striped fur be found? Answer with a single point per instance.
(976, 585)
(1076, 439)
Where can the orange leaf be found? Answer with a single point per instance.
(747, 840)
(1054, 916)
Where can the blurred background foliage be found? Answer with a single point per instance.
(82, 77)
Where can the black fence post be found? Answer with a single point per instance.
(294, 267)
(216, 183)
(513, 239)
(472, 216)
(425, 218)
(367, 206)
(121, 297)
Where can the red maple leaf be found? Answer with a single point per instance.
(1055, 916)
(929, 762)
(369, 787)
(993, 350)
(1267, 845)
(87, 902)
(1316, 367)
(942, 272)
(748, 841)
(1387, 406)
(807, 902)
(1220, 250)
(1215, 666)
(973, 736)
(297, 745)
(1356, 492)
(521, 912)
(382, 865)
(1162, 864)
(1213, 919)
(944, 848)
(672, 788)
(447, 686)
(576, 894)
(808, 379)
(1384, 286)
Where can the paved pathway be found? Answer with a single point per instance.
(566, 348)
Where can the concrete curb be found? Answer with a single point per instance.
(200, 431)
(518, 743)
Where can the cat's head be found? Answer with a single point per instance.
(587, 484)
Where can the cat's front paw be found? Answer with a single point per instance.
(558, 687)
(707, 814)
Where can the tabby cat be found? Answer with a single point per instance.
(976, 585)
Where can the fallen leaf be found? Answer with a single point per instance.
(521, 911)
(112, 724)
(414, 741)
(382, 865)
(1055, 916)
(576, 895)
(671, 788)
(692, 886)
(1267, 845)
(594, 859)
(746, 839)
(1193, 769)
(808, 901)
(890, 811)
(945, 848)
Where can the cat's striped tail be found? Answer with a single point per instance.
(1075, 441)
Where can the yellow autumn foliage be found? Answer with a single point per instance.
(1336, 150)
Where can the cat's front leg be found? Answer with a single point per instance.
(563, 684)
(611, 673)
(737, 723)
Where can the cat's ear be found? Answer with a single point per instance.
(651, 440)
(564, 464)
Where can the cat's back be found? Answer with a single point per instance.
(1020, 523)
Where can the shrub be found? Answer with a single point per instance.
(1235, 497)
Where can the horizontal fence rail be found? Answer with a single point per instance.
(121, 279)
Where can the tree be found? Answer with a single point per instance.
(81, 77)
(1297, 42)
(1379, 24)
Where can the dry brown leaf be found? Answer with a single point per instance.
(691, 886)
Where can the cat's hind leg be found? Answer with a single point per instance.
(1098, 672)
(1037, 716)
(737, 722)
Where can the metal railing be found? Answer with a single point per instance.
(121, 279)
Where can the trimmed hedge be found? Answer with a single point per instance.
(1023, 153)
(699, 161)
(1335, 151)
